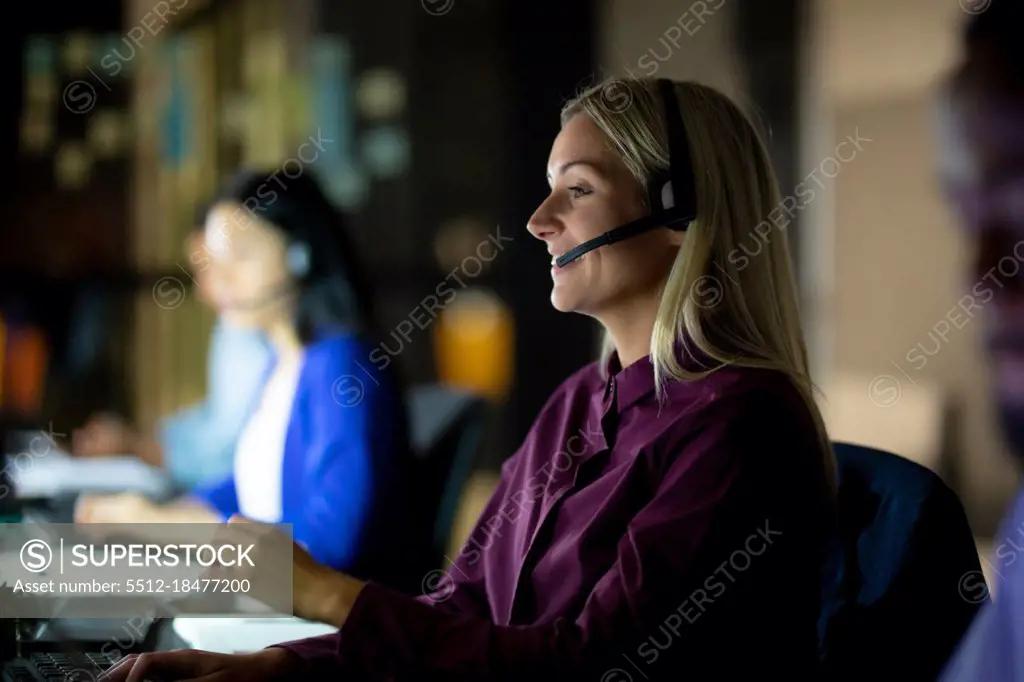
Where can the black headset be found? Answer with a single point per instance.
(671, 194)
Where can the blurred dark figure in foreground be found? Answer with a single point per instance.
(196, 444)
(983, 168)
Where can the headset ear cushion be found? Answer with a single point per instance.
(660, 194)
(298, 259)
(667, 198)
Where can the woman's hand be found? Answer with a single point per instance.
(119, 508)
(268, 665)
(104, 434)
(318, 592)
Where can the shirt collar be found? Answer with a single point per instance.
(626, 387)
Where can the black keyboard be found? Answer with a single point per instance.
(58, 667)
(60, 509)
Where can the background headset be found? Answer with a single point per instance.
(671, 194)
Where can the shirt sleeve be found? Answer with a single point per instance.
(199, 441)
(664, 555)
(221, 496)
(195, 448)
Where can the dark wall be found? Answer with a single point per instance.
(63, 266)
(769, 36)
(486, 82)
(551, 50)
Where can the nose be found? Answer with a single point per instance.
(544, 223)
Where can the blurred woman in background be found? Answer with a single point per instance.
(328, 437)
(196, 445)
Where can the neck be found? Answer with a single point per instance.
(631, 327)
(283, 336)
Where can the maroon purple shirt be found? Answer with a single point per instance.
(626, 540)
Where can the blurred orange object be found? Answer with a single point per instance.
(474, 340)
(25, 356)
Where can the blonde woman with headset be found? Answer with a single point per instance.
(666, 515)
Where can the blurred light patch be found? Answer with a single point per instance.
(265, 58)
(332, 113)
(25, 354)
(107, 133)
(234, 112)
(72, 166)
(152, 92)
(298, 112)
(36, 132)
(117, 53)
(266, 62)
(474, 341)
(40, 88)
(346, 186)
(386, 151)
(457, 240)
(381, 94)
(40, 56)
(77, 52)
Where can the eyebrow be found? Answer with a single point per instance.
(594, 165)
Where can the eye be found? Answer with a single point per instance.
(578, 191)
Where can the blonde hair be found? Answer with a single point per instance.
(755, 321)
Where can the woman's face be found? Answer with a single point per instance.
(592, 191)
(249, 280)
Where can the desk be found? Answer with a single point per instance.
(244, 635)
(221, 635)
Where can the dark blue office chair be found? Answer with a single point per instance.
(447, 428)
(896, 588)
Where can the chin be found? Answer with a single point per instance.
(566, 298)
(575, 303)
(560, 303)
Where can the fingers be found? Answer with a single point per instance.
(101, 435)
(93, 511)
(119, 671)
(84, 509)
(181, 664)
(156, 666)
(91, 508)
(82, 442)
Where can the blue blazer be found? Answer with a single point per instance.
(346, 449)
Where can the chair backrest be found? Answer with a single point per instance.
(447, 431)
(895, 584)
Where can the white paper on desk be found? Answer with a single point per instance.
(61, 475)
(245, 635)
